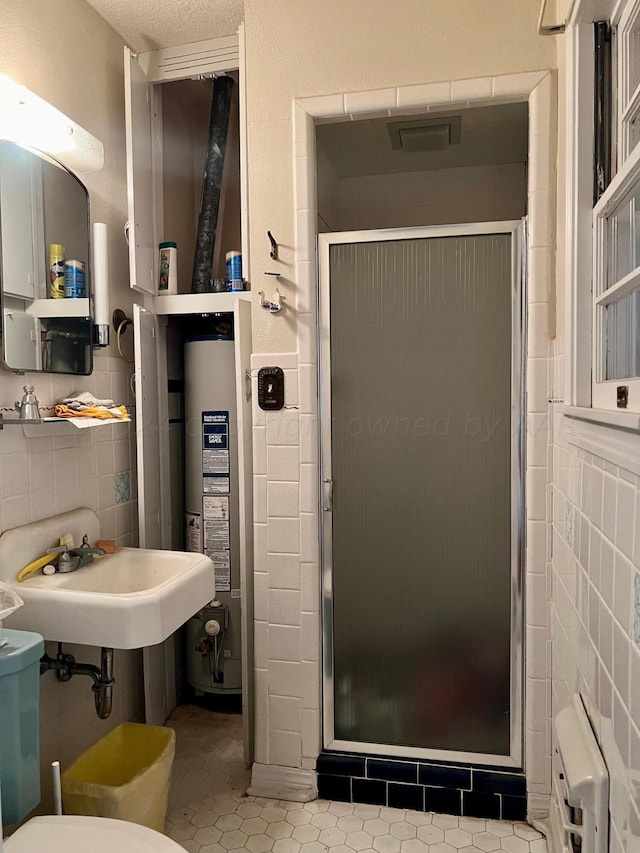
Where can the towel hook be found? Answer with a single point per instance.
(274, 246)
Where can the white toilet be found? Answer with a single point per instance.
(20, 653)
(75, 834)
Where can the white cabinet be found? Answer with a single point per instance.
(166, 111)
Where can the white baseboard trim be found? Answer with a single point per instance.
(538, 807)
(283, 783)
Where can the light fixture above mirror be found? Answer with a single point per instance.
(30, 121)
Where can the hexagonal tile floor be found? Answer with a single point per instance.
(210, 813)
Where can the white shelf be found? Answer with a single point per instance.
(608, 417)
(199, 303)
(60, 426)
(49, 308)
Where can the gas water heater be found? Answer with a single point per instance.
(211, 507)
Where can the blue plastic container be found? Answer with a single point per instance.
(19, 723)
(74, 281)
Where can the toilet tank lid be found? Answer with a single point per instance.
(21, 650)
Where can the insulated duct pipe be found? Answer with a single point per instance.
(211, 184)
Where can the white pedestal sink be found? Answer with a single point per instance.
(127, 600)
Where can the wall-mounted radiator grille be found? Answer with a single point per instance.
(579, 804)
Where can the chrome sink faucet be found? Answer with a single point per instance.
(71, 559)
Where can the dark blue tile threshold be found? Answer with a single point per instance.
(452, 788)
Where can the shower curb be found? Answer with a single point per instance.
(457, 789)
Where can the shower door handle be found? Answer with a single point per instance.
(328, 503)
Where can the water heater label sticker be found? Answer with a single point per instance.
(215, 442)
(222, 570)
(216, 536)
(212, 485)
(193, 531)
(215, 508)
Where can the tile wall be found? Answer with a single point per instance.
(45, 475)
(287, 579)
(595, 608)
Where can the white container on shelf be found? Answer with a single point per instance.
(168, 282)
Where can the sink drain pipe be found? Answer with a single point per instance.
(66, 666)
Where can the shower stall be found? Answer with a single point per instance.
(421, 377)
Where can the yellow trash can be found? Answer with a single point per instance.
(125, 775)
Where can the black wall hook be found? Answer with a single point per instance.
(274, 246)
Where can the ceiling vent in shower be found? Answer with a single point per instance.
(430, 134)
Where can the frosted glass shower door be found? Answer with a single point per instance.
(421, 456)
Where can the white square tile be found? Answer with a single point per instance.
(540, 218)
(303, 128)
(538, 704)
(261, 596)
(541, 106)
(307, 339)
(284, 642)
(537, 652)
(284, 571)
(283, 428)
(309, 537)
(260, 547)
(322, 106)
(285, 748)
(285, 678)
(309, 494)
(310, 629)
(291, 396)
(260, 499)
(538, 274)
(308, 381)
(305, 182)
(517, 85)
(283, 500)
(261, 680)
(285, 713)
(310, 674)
(536, 493)
(625, 517)
(471, 90)
(537, 439)
(15, 510)
(424, 95)
(259, 450)
(310, 733)
(305, 234)
(309, 440)
(371, 101)
(536, 600)
(306, 292)
(284, 607)
(537, 393)
(260, 636)
(310, 587)
(283, 463)
(538, 331)
(283, 536)
(541, 176)
(261, 746)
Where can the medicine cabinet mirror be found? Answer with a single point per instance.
(44, 242)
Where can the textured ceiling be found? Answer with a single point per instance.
(165, 23)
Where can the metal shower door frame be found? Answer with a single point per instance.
(517, 230)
